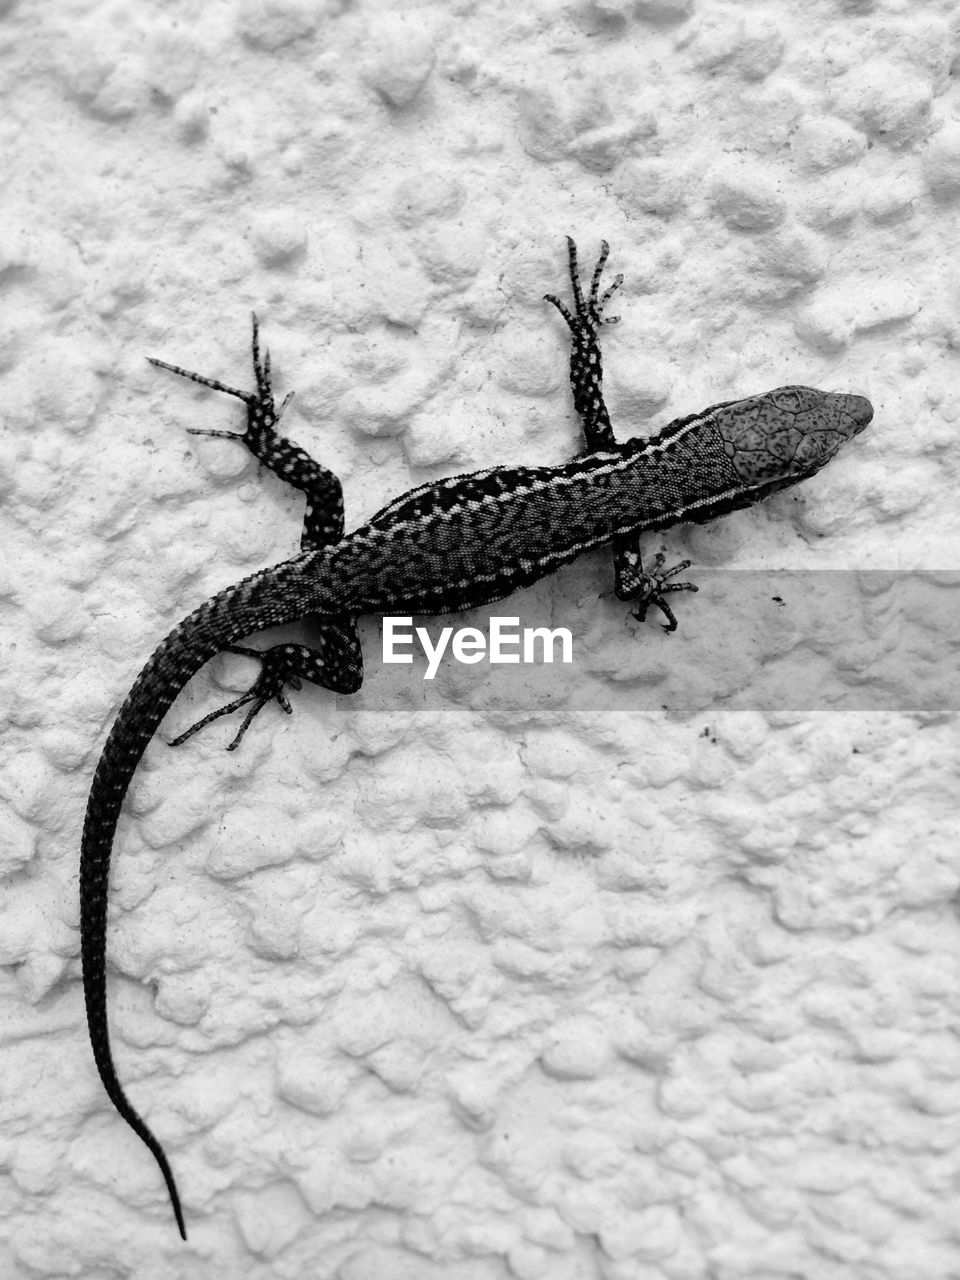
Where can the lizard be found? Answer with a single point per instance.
(445, 546)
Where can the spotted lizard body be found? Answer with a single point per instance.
(445, 546)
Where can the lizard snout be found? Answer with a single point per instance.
(855, 409)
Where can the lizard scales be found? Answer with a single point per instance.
(445, 546)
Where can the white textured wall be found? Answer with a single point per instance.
(649, 968)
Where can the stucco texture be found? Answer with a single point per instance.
(642, 968)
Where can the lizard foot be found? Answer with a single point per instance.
(262, 415)
(647, 589)
(268, 687)
(323, 522)
(586, 366)
(587, 316)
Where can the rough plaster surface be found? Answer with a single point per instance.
(645, 968)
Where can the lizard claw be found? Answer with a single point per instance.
(268, 687)
(650, 588)
(262, 415)
(587, 316)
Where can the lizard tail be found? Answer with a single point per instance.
(265, 599)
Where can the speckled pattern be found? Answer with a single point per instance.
(450, 546)
(646, 967)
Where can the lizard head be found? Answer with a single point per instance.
(786, 435)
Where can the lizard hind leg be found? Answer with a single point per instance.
(262, 415)
(324, 518)
(337, 664)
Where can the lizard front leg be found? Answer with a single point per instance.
(631, 581)
(586, 365)
(634, 583)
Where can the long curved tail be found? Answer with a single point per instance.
(265, 599)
